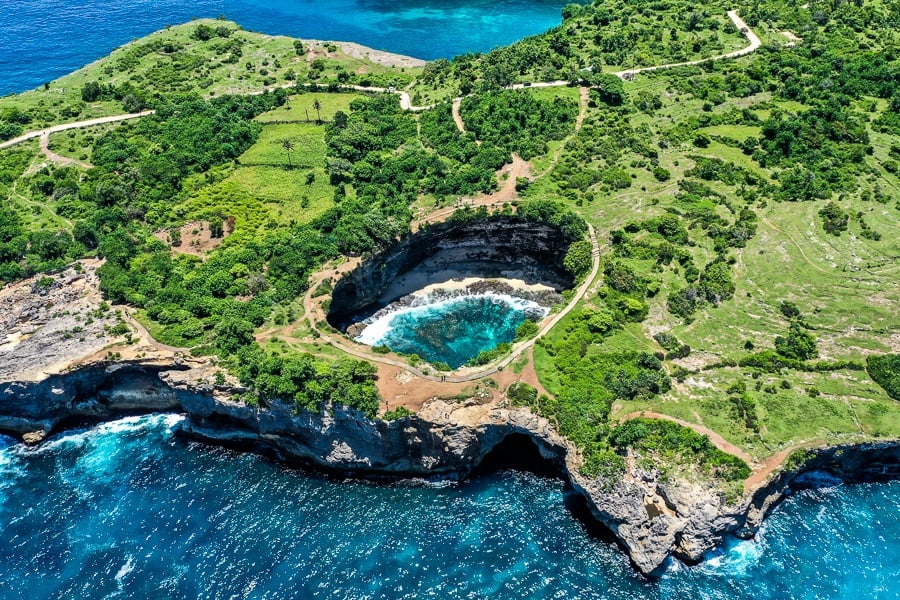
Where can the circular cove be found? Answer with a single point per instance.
(451, 330)
(454, 291)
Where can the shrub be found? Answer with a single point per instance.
(528, 329)
(398, 413)
(834, 220)
(798, 344)
(578, 260)
(884, 369)
(661, 174)
(521, 394)
(670, 439)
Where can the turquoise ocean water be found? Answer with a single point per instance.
(41, 40)
(451, 330)
(127, 510)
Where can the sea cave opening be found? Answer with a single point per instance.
(519, 452)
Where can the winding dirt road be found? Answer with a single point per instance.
(76, 125)
(405, 100)
(57, 158)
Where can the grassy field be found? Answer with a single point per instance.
(78, 143)
(269, 183)
(635, 161)
(232, 61)
(845, 287)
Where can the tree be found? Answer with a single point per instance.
(834, 219)
(204, 32)
(318, 106)
(609, 88)
(233, 333)
(884, 369)
(90, 91)
(216, 227)
(578, 260)
(288, 146)
(798, 344)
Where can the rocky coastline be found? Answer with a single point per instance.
(652, 517)
(546, 298)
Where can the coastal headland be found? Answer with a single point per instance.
(194, 223)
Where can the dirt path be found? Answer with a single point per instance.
(406, 102)
(316, 314)
(761, 471)
(583, 97)
(457, 118)
(145, 336)
(742, 27)
(75, 125)
(796, 245)
(64, 161)
(507, 193)
(717, 440)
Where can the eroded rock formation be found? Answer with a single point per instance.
(495, 247)
(652, 517)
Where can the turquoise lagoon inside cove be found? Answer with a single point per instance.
(451, 330)
(41, 40)
(127, 510)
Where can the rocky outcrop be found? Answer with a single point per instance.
(49, 321)
(96, 391)
(494, 247)
(653, 517)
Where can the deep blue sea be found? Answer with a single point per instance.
(41, 40)
(127, 510)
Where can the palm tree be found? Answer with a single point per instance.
(318, 106)
(288, 146)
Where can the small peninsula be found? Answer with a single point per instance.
(668, 232)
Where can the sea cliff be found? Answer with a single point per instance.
(652, 516)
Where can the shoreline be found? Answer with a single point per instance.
(443, 441)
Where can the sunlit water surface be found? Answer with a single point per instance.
(451, 330)
(127, 510)
(41, 40)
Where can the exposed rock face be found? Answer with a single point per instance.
(494, 247)
(653, 518)
(46, 322)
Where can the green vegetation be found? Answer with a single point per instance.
(743, 207)
(885, 371)
(188, 59)
(598, 36)
(666, 438)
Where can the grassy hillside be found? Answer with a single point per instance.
(207, 57)
(747, 208)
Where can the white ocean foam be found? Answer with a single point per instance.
(380, 326)
(125, 569)
(110, 428)
(737, 559)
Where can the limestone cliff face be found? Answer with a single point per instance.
(491, 247)
(652, 517)
(97, 391)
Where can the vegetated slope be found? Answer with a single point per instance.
(206, 56)
(600, 36)
(748, 207)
